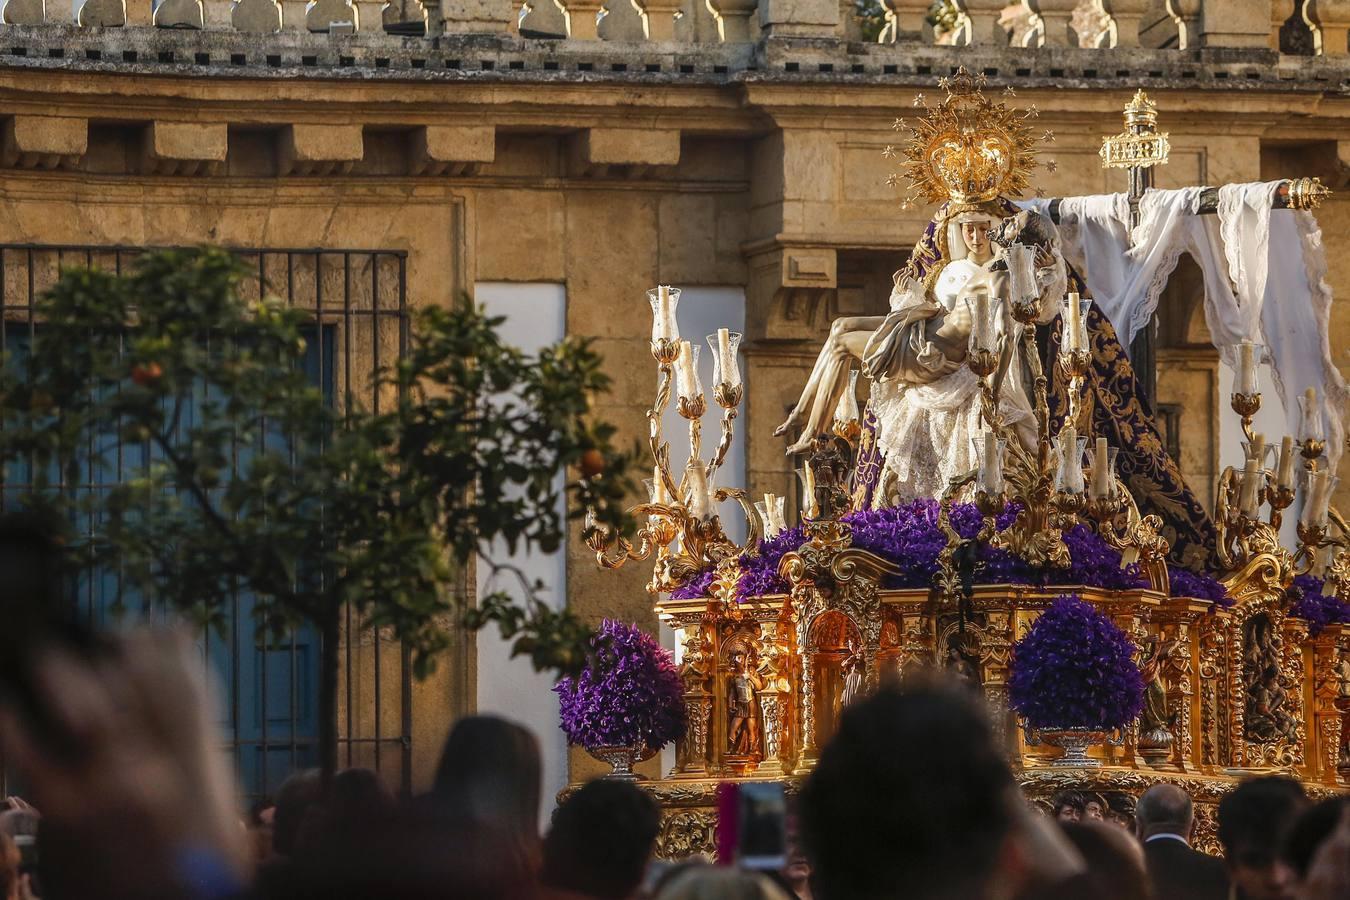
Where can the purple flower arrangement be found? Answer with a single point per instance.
(759, 574)
(698, 586)
(1306, 600)
(1075, 669)
(1200, 585)
(630, 694)
(909, 537)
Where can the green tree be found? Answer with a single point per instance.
(943, 16)
(871, 18)
(326, 508)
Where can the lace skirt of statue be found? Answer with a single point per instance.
(928, 434)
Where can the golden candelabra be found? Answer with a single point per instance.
(1244, 537)
(1323, 535)
(1046, 480)
(682, 526)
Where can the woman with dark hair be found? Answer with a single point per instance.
(1317, 848)
(490, 774)
(475, 835)
(1115, 862)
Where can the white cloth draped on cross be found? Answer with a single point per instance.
(1264, 270)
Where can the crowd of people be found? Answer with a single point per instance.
(912, 798)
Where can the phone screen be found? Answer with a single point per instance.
(762, 825)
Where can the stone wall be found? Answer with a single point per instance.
(609, 166)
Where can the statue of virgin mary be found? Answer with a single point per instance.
(925, 398)
(925, 401)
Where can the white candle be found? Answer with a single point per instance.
(762, 507)
(1246, 383)
(1321, 485)
(771, 511)
(992, 473)
(696, 489)
(1310, 489)
(1081, 342)
(809, 493)
(1311, 429)
(1249, 490)
(1021, 272)
(1257, 450)
(726, 366)
(686, 375)
(1324, 502)
(1316, 500)
(983, 333)
(662, 314)
(659, 492)
(1070, 460)
(1073, 319)
(1101, 470)
(1285, 476)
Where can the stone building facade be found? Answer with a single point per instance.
(724, 143)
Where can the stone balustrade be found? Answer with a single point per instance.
(1307, 27)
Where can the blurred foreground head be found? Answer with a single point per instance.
(415, 854)
(721, 883)
(1253, 820)
(1317, 837)
(910, 799)
(1115, 862)
(490, 772)
(295, 799)
(601, 839)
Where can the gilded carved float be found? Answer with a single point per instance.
(1231, 690)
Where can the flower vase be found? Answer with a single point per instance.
(621, 759)
(1075, 742)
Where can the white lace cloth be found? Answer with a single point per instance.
(1125, 273)
(1264, 271)
(928, 434)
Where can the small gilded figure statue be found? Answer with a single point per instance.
(962, 658)
(853, 675)
(1155, 722)
(696, 664)
(1267, 715)
(742, 689)
(830, 467)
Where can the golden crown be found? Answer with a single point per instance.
(968, 149)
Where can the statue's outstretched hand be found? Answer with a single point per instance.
(952, 335)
